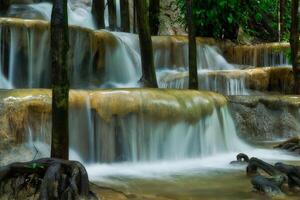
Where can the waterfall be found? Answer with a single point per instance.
(260, 55)
(112, 59)
(79, 12)
(122, 125)
(4, 83)
(228, 82)
(96, 59)
(172, 52)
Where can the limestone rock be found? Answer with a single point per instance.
(266, 117)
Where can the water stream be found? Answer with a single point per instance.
(126, 137)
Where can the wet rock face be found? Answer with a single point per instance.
(265, 117)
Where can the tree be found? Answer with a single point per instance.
(294, 41)
(154, 9)
(149, 77)
(4, 4)
(280, 17)
(134, 18)
(60, 80)
(98, 8)
(125, 17)
(193, 73)
(112, 17)
(223, 19)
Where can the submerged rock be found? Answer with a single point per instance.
(241, 159)
(291, 145)
(274, 181)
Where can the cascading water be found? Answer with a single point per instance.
(209, 80)
(116, 63)
(260, 55)
(122, 125)
(95, 58)
(79, 12)
(175, 55)
(121, 133)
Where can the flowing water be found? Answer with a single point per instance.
(171, 143)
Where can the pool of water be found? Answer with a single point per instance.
(209, 178)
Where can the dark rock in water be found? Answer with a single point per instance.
(282, 179)
(272, 185)
(241, 159)
(292, 172)
(255, 164)
(292, 145)
(266, 185)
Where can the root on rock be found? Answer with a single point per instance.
(46, 178)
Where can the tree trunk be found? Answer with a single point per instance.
(98, 8)
(280, 18)
(60, 80)
(47, 179)
(4, 4)
(125, 17)
(149, 76)
(294, 40)
(193, 73)
(134, 18)
(154, 10)
(112, 17)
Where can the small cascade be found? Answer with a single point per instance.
(261, 55)
(122, 125)
(172, 52)
(79, 12)
(4, 83)
(233, 82)
(225, 82)
(95, 58)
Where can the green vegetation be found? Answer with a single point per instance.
(224, 19)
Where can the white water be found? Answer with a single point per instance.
(79, 13)
(113, 173)
(139, 137)
(121, 61)
(178, 79)
(176, 55)
(144, 147)
(30, 48)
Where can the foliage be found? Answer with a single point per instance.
(223, 18)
